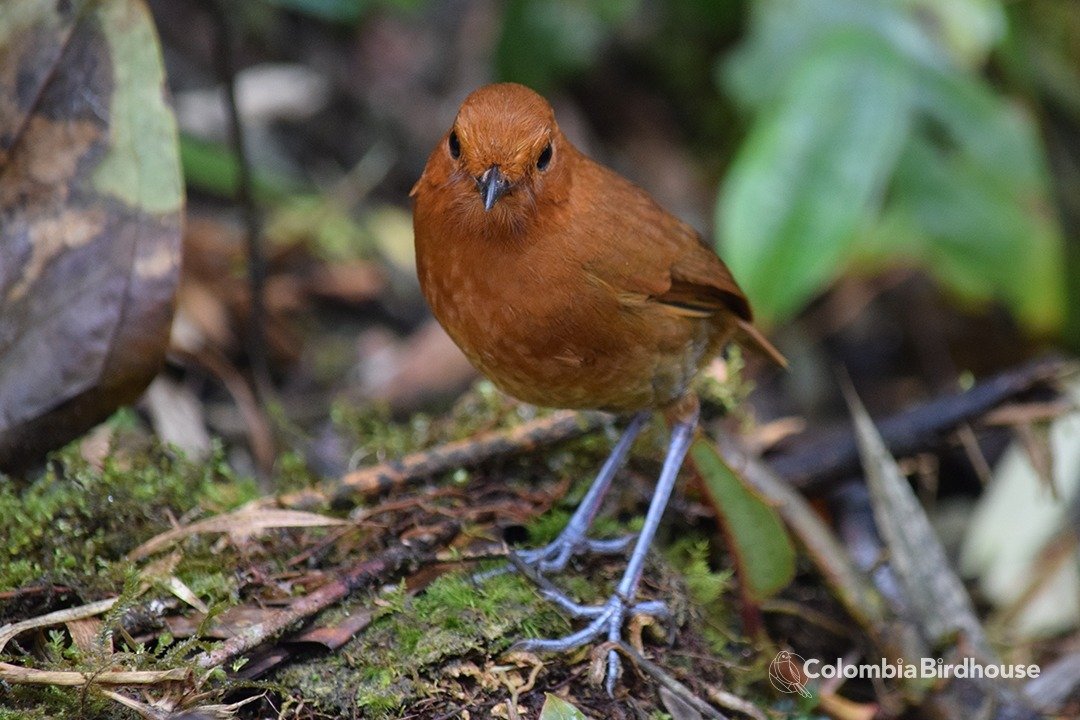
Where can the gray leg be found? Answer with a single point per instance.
(554, 556)
(608, 618)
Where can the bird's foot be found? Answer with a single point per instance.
(554, 557)
(606, 621)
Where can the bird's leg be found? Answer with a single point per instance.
(554, 556)
(607, 619)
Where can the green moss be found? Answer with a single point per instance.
(547, 527)
(45, 702)
(398, 656)
(74, 524)
(707, 588)
(729, 394)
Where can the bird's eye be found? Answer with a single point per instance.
(455, 145)
(545, 158)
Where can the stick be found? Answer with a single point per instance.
(669, 683)
(256, 330)
(396, 474)
(823, 462)
(364, 574)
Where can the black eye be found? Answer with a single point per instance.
(545, 158)
(455, 145)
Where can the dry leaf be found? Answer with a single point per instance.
(90, 204)
(238, 524)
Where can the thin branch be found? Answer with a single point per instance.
(364, 574)
(833, 457)
(411, 469)
(666, 681)
(226, 68)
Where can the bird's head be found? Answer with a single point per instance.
(506, 153)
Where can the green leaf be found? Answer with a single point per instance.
(763, 552)
(973, 190)
(212, 168)
(813, 170)
(555, 708)
(784, 36)
(140, 168)
(346, 12)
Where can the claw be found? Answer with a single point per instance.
(572, 608)
(554, 557)
(606, 619)
(614, 672)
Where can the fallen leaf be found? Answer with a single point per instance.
(555, 708)
(763, 552)
(678, 708)
(1014, 528)
(939, 604)
(238, 524)
(90, 206)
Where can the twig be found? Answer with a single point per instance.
(362, 575)
(32, 676)
(256, 258)
(69, 678)
(730, 701)
(257, 425)
(7, 632)
(667, 681)
(835, 456)
(395, 474)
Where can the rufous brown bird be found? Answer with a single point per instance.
(568, 286)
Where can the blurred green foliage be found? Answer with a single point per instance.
(853, 134)
(212, 168)
(345, 12)
(875, 139)
(543, 41)
(1040, 57)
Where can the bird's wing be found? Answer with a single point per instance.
(702, 283)
(674, 267)
(699, 280)
(685, 278)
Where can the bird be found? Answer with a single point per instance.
(569, 286)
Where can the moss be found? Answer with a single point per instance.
(397, 658)
(547, 527)
(73, 527)
(43, 702)
(709, 589)
(730, 393)
(74, 524)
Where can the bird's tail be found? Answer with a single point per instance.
(751, 337)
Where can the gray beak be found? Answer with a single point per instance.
(492, 186)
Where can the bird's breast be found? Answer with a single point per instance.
(530, 318)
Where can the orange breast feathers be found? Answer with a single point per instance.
(563, 282)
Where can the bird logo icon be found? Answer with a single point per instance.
(786, 673)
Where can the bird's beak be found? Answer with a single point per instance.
(492, 186)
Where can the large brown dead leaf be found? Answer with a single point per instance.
(90, 208)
